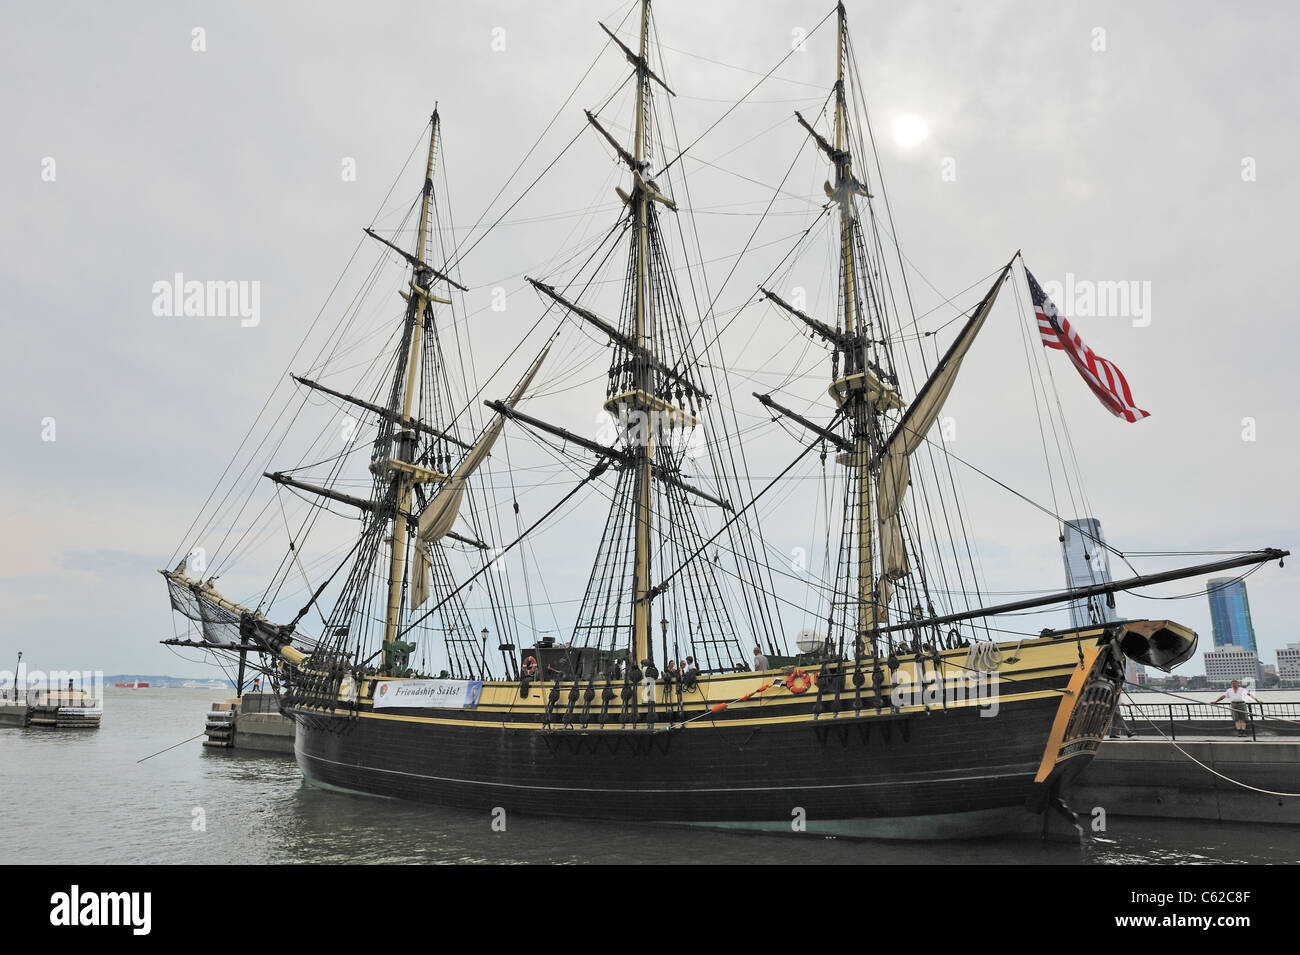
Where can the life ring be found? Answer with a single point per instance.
(798, 682)
(530, 666)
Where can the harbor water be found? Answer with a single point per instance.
(86, 797)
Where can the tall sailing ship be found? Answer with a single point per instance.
(677, 695)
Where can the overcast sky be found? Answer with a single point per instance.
(1136, 142)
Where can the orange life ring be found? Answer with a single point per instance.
(798, 681)
(530, 666)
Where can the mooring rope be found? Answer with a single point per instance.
(173, 746)
(1211, 769)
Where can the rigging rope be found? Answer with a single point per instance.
(595, 472)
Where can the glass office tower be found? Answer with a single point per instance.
(1230, 614)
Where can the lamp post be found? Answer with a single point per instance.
(16, 670)
(484, 635)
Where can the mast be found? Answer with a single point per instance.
(405, 444)
(642, 647)
(850, 386)
(654, 398)
(879, 470)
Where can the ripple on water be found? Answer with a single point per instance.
(82, 796)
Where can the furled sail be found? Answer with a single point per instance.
(894, 472)
(437, 519)
(224, 624)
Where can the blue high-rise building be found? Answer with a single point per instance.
(1230, 614)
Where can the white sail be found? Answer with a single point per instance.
(895, 472)
(437, 519)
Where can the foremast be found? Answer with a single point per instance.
(876, 448)
(860, 392)
(861, 414)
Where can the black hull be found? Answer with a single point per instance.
(943, 774)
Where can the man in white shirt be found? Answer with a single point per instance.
(650, 673)
(760, 661)
(1238, 696)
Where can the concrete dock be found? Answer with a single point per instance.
(56, 709)
(1160, 777)
(252, 722)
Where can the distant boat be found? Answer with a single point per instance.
(134, 685)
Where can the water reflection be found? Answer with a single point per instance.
(80, 797)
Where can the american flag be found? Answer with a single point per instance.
(1103, 377)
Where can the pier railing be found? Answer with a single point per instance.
(1210, 718)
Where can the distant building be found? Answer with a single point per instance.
(1087, 562)
(1224, 664)
(1230, 614)
(1288, 662)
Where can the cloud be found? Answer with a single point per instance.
(225, 165)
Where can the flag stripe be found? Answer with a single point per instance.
(1101, 375)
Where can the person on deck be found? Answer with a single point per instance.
(650, 673)
(1238, 697)
(760, 661)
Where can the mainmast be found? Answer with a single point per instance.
(405, 474)
(653, 395)
(645, 410)
(642, 647)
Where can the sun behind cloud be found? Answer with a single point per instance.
(910, 130)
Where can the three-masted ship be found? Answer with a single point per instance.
(895, 720)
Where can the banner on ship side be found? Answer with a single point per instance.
(448, 694)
